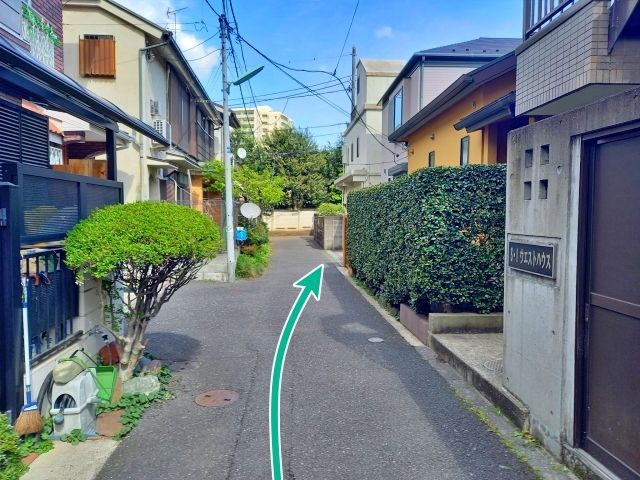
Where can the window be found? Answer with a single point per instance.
(357, 147)
(98, 56)
(352, 152)
(357, 84)
(397, 110)
(464, 151)
(432, 159)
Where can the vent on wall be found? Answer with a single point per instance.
(163, 128)
(155, 107)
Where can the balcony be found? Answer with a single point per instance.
(540, 13)
(576, 52)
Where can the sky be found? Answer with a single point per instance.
(309, 34)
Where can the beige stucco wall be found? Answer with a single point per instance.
(140, 181)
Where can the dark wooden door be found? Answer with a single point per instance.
(611, 394)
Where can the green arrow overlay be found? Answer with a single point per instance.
(311, 284)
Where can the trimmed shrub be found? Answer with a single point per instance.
(330, 209)
(150, 249)
(434, 236)
(254, 262)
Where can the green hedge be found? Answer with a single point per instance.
(330, 209)
(434, 236)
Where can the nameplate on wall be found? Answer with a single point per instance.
(531, 258)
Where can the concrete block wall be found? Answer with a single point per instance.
(572, 54)
(539, 313)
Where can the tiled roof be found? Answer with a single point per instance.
(480, 46)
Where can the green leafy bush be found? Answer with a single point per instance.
(434, 236)
(10, 457)
(330, 209)
(150, 250)
(254, 262)
(257, 232)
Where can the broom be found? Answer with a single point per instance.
(29, 420)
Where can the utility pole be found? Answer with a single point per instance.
(354, 81)
(226, 156)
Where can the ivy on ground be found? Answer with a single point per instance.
(135, 404)
(434, 236)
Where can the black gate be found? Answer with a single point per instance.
(610, 397)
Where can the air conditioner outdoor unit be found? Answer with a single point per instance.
(163, 128)
(155, 107)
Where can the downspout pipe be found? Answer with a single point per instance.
(144, 194)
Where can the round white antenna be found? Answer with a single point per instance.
(242, 153)
(250, 210)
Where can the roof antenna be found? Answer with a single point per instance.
(175, 20)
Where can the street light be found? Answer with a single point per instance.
(226, 151)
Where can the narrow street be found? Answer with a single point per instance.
(352, 409)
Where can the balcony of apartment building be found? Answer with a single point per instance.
(575, 52)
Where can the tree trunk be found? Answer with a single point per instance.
(130, 349)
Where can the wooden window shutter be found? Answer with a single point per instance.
(98, 56)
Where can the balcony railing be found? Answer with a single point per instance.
(540, 13)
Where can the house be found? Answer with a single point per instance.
(39, 204)
(363, 150)
(468, 122)
(572, 266)
(261, 120)
(138, 65)
(425, 76)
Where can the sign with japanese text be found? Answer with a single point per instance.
(531, 258)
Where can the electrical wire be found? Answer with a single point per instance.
(204, 56)
(203, 42)
(244, 62)
(346, 38)
(288, 97)
(328, 83)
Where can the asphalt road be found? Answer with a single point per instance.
(351, 409)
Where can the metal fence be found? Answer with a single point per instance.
(52, 296)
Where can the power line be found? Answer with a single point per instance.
(235, 65)
(203, 42)
(204, 56)
(325, 126)
(295, 91)
(244, 62)
(346, 38)
(211, 7)
(288, 97)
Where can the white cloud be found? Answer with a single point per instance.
(206, 54)
(384, 32)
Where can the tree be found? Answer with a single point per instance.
(140, 254)
(263, 189)
(308, 171)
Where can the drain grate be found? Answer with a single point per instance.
(217, 398)
(494, 365)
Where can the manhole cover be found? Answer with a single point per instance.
(217, 398)
(494, 365)
(376, 340)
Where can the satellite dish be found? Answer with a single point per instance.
(250, 210)
(242, 153)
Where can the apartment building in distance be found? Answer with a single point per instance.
(363, 151)
(262, 120)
